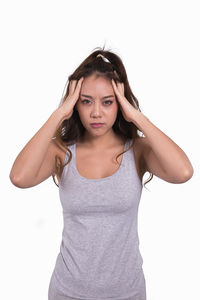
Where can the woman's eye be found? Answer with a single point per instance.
(109, 101)
(83, 101)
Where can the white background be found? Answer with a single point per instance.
(42, 42)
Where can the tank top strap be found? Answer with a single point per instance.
(128, 143)
(67, 153)
(67, 167)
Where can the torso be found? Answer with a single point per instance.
(94, 165)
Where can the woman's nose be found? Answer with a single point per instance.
(96, 108)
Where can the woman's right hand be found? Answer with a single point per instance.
(67, 106)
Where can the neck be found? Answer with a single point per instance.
(101, 141)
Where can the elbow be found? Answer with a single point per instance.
(188, 173)
(16, 181)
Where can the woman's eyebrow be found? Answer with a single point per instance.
(109, 96)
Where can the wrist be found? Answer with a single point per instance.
(59, 113)
(59, 116)
(139, 119)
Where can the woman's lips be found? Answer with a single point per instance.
(96, 125)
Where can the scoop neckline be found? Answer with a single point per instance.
(97, 179)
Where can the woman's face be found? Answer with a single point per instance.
(97, 104)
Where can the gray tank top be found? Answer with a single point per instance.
(99, 254)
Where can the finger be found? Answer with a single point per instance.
(114, 84)
(80, 80)
(121, 88)
(78, 86)
(116, 74)
(115, 88)
(72, 86)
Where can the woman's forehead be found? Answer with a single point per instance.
(96, 84)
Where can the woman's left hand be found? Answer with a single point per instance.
(128, 111)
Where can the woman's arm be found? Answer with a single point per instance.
(164, 157)
(28, 162)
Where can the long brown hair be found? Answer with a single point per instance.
(111, 67)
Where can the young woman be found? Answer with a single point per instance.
(97, 121)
